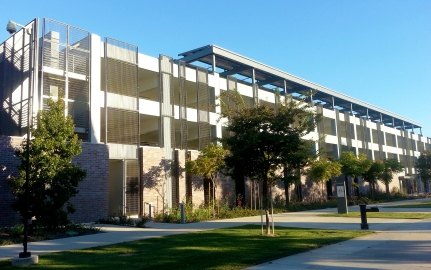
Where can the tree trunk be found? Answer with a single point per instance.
(329, 189)
(323, 192)
(346, 180)
(298, 175)
(356, 180)
(298, 188)
(287, 193)
(387, 188)
(214, 196)
(374, 189)
(239, 188)
(265, 199)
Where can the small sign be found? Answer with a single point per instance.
(340, 191)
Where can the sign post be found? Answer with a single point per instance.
(341, 197)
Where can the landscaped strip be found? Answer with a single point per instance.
(231, 248)
(393, 215)
(417, 205)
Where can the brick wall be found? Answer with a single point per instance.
(91, 202)
(153, 177)
(8, 168)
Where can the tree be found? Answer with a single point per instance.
(373, 174)
(391, 166)
(354, 166)
(265, 139)
(294, 161)
(209, 162)
(423, 166)
(53, 178)
(322, 170)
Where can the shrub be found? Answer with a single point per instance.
(125, 221)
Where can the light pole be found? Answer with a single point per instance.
(12, 28)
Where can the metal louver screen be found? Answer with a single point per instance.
(203, 107)
(231, 86)
(103, 125)
(132, 187)
(183, 107)
(81, 115)
(121, 78)
(175, 180)
(54, 45)
(78, 90)
(16, 75)
(122, 126)
(189, 182)
(363, 133)
(121, 51)
(66, 51)
(349, 135)
(167, 105)
(255, 94)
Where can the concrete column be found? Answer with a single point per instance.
(95, 93)
(167, 117)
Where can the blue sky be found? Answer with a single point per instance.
(375, 51)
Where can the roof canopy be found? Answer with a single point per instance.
(269, 78)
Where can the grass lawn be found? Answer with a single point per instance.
(232, 248)
(417, 205)
(394, 215)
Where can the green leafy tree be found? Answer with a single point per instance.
(231, 103)
(354, 166)
(320, 171)
(295, 160)
(391, 166)
(53, 178)
(423, 166)
(373, 174)
(209, 162)
(265, 139)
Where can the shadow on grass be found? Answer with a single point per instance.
(232, 248)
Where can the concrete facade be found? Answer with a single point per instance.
(142, 116)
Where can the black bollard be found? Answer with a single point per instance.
(182, 213)
(364, 223)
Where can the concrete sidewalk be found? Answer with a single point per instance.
(397, 243)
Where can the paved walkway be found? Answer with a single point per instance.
(397, 243)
